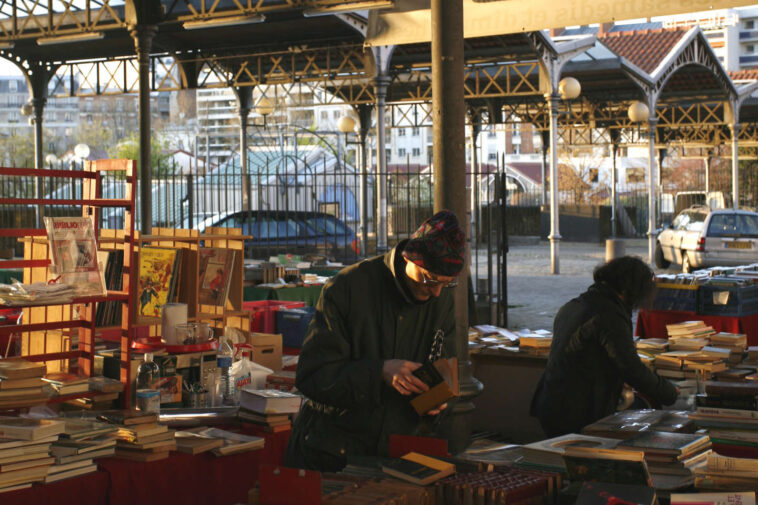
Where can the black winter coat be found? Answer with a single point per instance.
(591, 357)
(364, 317)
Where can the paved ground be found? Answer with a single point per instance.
(535, 295)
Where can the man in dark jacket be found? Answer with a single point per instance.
(376, 322)
(593, 353)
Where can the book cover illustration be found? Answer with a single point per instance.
(156, 271)
(215, 275)
(73, 251)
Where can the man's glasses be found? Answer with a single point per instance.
(433, 283)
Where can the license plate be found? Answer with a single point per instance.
(739, 245)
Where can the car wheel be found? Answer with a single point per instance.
(660, 261)
(686, 267)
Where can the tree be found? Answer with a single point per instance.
(580, 177)
(18, 149)
(98, 136)
(160, 158)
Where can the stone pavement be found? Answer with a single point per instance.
(535, 295)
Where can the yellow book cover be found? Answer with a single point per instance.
(156, 269)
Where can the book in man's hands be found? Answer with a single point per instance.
(442, 378)
(417, 468)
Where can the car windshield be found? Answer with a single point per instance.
(326, 225)
(696, 221)
(733, 225)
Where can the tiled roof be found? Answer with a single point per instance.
(744, 75)
(646, 49)
(530, 169)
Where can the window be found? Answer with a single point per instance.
(750, 48)
(324, 115)
(388, 152)
(13, 116)
(12, 86)
(335, 114)
(416, 151)
(492, 156)
(749, 24)
(491, 134)
(120, 104)
(68, 117)
(401, 152)
(416, 132)
(401, 132)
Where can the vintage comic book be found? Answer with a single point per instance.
(157, 268)
(73, 251)
(215, 275)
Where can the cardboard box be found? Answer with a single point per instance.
(267, 349)
(169, 387)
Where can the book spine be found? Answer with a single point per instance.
(717, 463)
(734, 402)
(720, 411)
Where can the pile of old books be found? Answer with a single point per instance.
(82, 441)
(729, 410)
(21, 383)
(692, 364)
(535, 342)
(269, 409)
(25, 450)
(735, 343)
(689, 335)
(139, 437)
(548, 454)
(726, 472)
(670, 453)
(504, 485)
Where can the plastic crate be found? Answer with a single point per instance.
(292, 324)
(676, 297)
(263, 313)
(728, 300)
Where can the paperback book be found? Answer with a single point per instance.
(417, 468)
(157, 272)
(73, 251)
(215, 275)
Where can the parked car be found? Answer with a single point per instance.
(296, 232)
(701, 237)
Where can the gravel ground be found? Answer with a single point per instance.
(535, 295)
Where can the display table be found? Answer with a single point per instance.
(203, 479)
(307, 294)
(652, 323)
(509, 380)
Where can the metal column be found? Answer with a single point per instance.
(380, 84)
(448, 114)
(555, 234)
(735, 128)
(364, 118)
(652, 121)
(614, 179)
(143, 39)
(244, 101)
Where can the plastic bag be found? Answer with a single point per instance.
(245, 371)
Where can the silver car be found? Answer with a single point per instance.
(701, 237)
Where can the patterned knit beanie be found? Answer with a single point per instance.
(438, 245)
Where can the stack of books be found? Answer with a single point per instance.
(148, 441)
(231, 443)
(25, 450)
(689, 335)
(506, 485)
(269, 409)
(729, 411)
(735, 343)
(83, 441)
(725, 472)
(535, 342)
(671, 364)
(707, 362)
(652, 345)
(21, 383)
(627, 423)
(670, 453)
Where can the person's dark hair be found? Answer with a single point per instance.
(629, 277)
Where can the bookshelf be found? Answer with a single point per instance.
(49, 331)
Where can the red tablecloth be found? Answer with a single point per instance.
(652, 323)
(203, 479)
(90, 489)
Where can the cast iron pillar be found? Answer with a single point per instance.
(651, 121)
(143, 40)
(707, 163)
(364, 123)
(38, 106)
(735, 130)
(545, 136)
(555, 234)
(448, 114)
(474, 130)
(614, 178)
(381, 83)
(244, 105)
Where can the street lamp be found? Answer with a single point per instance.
(81, 151)
(51, 160)
(346, 124)
(569, 88)
(264, 108)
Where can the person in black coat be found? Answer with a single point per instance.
(593, 353)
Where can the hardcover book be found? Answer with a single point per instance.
(233, 442)
(73, 251)
(29, 429)
(6, 384)
(215, 275)
(550, 452)
(66, 447)
(442, 378)
(190, 443)
(269, 401)
(417, 468)
(679, 445)
(20, 369)
(157, 268)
